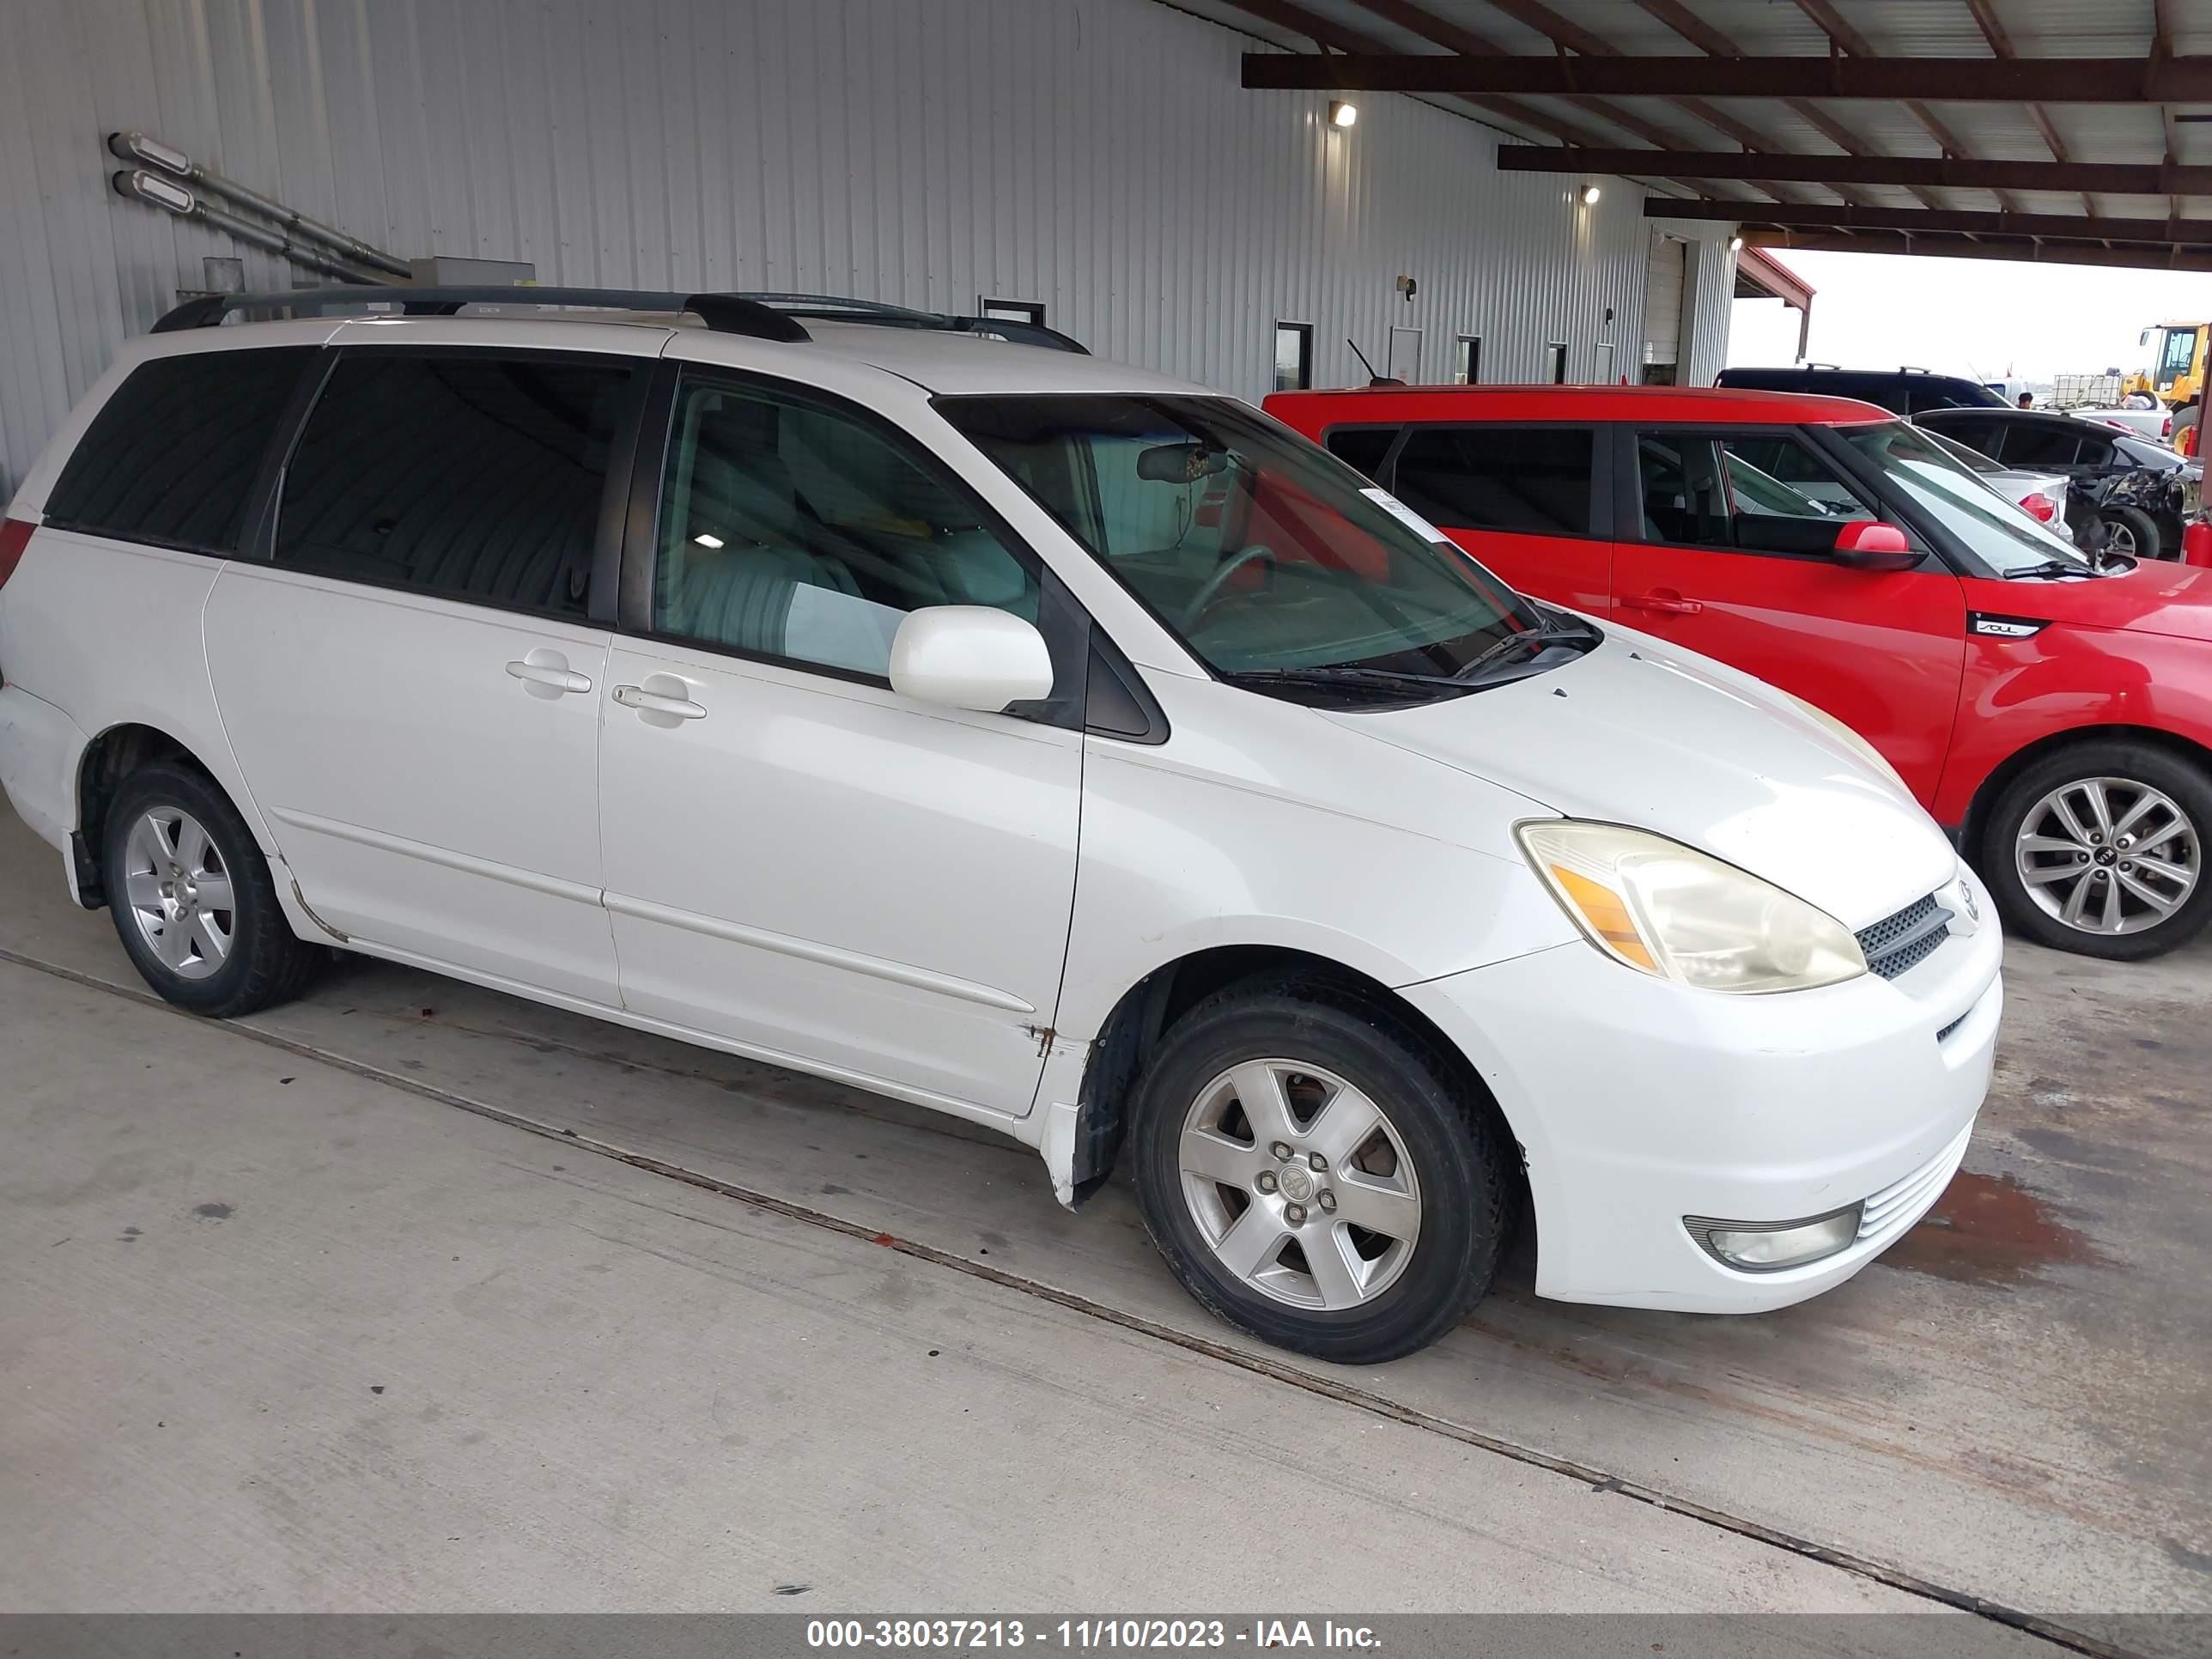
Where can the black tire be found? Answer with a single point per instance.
(2132, 532)
(265, 962)
(2183, 781)
(1461, 1161)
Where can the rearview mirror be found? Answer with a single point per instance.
(1870, 544)
(969, 656)
(1180, 463)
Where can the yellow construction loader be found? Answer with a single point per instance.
(2176, 372)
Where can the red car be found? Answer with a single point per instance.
(2056, 716)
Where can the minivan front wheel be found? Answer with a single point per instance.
(193, 898)
(2099, 849)
(1315, 1174)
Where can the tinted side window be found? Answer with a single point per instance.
(472, 476)
(2032, 443)
(171, 458)
(1532, 479)
(1363, 447)
(792, 529)
(1978, 432)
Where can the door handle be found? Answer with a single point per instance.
(653, 702)
(559, 678)
(1665, 601)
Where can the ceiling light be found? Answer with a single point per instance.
(1590, 193)
(1341, 114)
(1736, 245)
(708, 541)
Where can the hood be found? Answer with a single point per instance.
(2158, 595)
(1641, 733)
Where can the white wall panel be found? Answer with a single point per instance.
(1096, 155)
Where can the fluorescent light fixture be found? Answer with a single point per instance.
(1590, 193)
(1341, 114)
(155, 189)
(705, 540)
(137, 147)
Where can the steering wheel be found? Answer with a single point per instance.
(1203, 599)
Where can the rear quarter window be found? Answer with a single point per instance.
(172, 457)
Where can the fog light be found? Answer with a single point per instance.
(1768, 1246)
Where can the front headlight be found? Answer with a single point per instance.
(1857, 744)
(1676, 913)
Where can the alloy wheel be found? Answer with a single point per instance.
(2108, 855)
(179, 891)
(1299, 1184)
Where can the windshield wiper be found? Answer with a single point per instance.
(1564, 631)
(1339, 674)
(2049, 570)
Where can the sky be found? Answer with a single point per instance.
(1983, 317)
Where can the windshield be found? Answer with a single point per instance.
(2003, 538)
(1264, 553)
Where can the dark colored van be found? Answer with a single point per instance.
(1901, 390)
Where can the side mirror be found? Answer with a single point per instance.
(969, 656)
(1870, 544)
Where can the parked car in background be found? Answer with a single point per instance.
(2145, 521)
(1030, 738)
(1901, 390)
(2155, 425)
(2056, 717)
(2041, 495)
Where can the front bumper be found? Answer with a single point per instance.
(1638, 1104)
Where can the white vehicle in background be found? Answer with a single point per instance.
(2041, 495)
(2154, 423)
(1048, 743)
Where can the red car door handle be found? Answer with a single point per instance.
(1664, 600)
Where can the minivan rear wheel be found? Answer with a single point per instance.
(2099, 849)
(1315, 1172)
(193, 898)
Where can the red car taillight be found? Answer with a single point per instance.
(2166, 427)
(2038, 508)
(15, 537)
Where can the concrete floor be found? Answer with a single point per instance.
(359, 1306)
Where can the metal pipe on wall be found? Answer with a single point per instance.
(148, 151)
(155, 189)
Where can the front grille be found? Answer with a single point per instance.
(1905, 939)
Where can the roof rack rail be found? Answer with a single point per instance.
(835, 308)
(725, 313)
(762, 316)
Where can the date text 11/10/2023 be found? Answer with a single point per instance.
(1086, 1634)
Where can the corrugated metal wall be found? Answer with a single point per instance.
(1096, 155)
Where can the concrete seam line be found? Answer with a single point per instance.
(1259, 1364)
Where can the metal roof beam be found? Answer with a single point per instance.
(1457, 38)
(1841, 33)
(1707, 38)
(1956, 79)
(2116, 178)
(1565, 32)
(2023, 250)
(1993, 31)
(2060, 226)
(1332, 36)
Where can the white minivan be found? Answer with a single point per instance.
(1056, 744)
